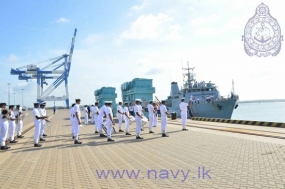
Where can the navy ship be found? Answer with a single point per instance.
(204, 99)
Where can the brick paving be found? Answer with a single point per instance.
(234, 160)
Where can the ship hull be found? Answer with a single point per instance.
(214, 109)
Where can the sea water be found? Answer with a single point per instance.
(263, 111)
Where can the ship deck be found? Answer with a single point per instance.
(232, 155)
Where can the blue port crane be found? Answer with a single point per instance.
(58, 69)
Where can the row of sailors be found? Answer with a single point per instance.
(11, 121)
(123, 113)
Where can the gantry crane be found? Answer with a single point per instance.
(55, 70)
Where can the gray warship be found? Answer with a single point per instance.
(204, 99)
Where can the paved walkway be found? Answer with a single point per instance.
(180, 161)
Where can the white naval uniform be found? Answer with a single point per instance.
(43, 122)
(150, 116)
(163, 111)
(155, 117)
(183, 109)
(37, 123)
(140, 106)
(100, 118)
(109, 113)
(92, 114)
(120, 116)
(85, 115)
(96, 110)
(12, 124)
(19, 113)
(72, 120)
(76, 123)
(4, 124)
(137, 109)
(127, 121)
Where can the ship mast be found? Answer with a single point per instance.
(190, 77)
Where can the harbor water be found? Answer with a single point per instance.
(263, 111)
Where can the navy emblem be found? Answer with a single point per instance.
(262, 34)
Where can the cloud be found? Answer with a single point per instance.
(140, 7)
(205, 20)
(62, 20)
(154, 71)
(12, 58)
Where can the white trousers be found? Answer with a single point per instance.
(150, 121)
(99, 123)
(155, 120)
(19, 127)
(95, 121)
(120, 118)
(76, 129)
(72, 126)
(86, 118)
(93, 117)
(37, 131)
(12, 128)
(183, 119)
(43, 125)
(109, 129)
(127, 124)
(4, 132)
(163, 124)
(138, 125)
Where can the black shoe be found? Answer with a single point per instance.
(13, 141)
(41, 139)
(151, 132)
(4, 148)
(142, 129)
(102, 135)
(44, 135)
(128, 134)
(96, 132)
(164, 135)
(37, 145)
(110, 140)
(139, 137)
(77, 142)
(72, 137)
(184, 129)
(121, 131)
(20, 136)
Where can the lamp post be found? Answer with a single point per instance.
(8, 94)
(14, 98)
(22, 98)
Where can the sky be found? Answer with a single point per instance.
(119, 40)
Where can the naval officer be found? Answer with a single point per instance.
(139, 116)
(120, 116)
(86, 115)
(100, 117)
(4, 124)
(43, 113)
(77, 122)
(72, 120)
(92, 114)
(12, 124)
(155, 116)
(127, 118)
(109, 120)
(183, 108)
(19, 121)
(37, 122)
(150, 109)
(163, 113)
(96, 113)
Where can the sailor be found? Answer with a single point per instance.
(19, 121)
(109, 120)
(142, 112)
(100, 119)
(92, 114)
(139, 116)
(155, 116)
(37, 122)
(43, 113)
(85, 115)
(12, 124)
(164, 113)
(127, 117)
(4, 124)
(72, 120)
(150, 115)
(183, 108)
(96, 113)
(77, 121)
(120, 116)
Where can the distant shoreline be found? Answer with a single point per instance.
(262, 101)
